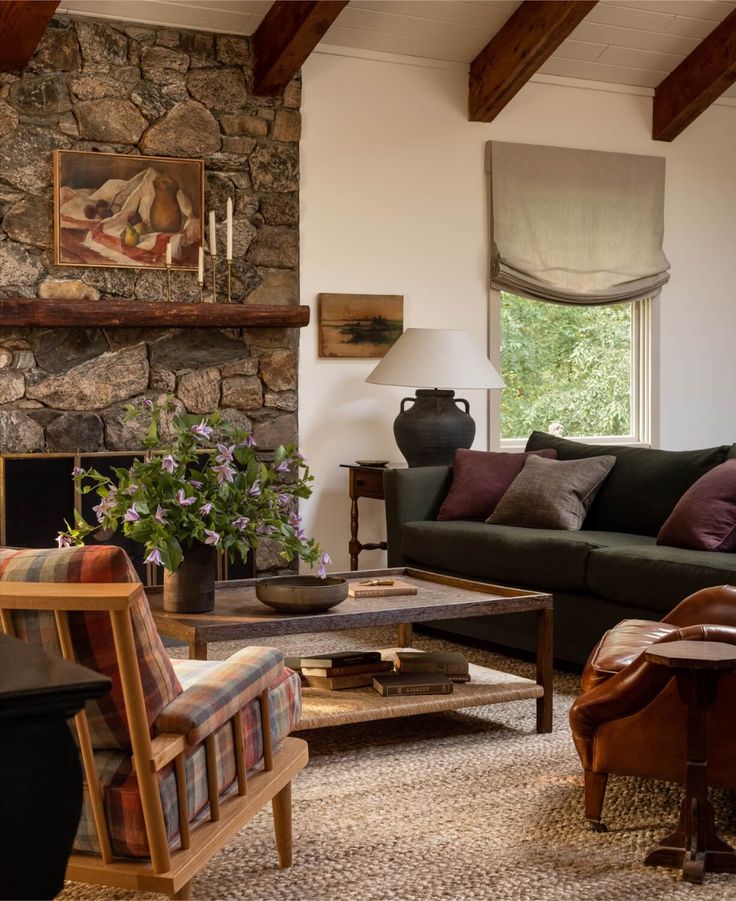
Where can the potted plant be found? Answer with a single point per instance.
(204, 490)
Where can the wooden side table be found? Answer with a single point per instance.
(363, 481)
(695, 845)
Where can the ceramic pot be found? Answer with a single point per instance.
(301, 594)
(191, 589)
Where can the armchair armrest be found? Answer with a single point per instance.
(709, 605)
(412, 495)
(631, 690)
(220, 693)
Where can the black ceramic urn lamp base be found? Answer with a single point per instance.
(429, 432)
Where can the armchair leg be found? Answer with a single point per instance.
(184, 893)
(595, 792)
(282, 824)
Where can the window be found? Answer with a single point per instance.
(574, 370)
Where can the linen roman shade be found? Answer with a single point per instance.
(576, 226)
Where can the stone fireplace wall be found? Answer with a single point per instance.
(98, 86)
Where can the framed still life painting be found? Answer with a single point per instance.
(113, 209)
(359, 325)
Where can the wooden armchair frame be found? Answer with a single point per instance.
(167, 871)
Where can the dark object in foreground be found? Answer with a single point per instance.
(40, 775)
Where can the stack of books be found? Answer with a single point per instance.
(343, 669)
(447, 663)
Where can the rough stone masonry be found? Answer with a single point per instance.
(119, 88)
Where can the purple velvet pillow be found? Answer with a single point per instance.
(704, 519)
(480, 480)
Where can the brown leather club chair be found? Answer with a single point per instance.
(629, 719)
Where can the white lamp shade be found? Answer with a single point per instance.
(436, 358)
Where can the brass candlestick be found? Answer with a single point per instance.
(229, 280)
(168, 283)
(213, 257)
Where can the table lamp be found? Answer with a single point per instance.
(431, 360)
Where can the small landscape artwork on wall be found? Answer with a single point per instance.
(118, 210)
(359, 325)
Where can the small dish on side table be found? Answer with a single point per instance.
(372, 462)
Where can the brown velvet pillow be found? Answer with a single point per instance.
(704, 519)
(552, 494)
(479, 481)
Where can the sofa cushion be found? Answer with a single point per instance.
(644, 486)
(704, 518)
(654, 577)
(619, 647)
(552, 494)
(479, 481)
(535, 558)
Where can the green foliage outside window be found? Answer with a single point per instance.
(567, 368)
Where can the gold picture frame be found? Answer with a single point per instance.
(122, 210)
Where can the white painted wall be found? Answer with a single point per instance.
(393, 201)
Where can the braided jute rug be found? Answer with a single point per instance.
(470, 805)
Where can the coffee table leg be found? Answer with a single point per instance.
(197, 650)
(406, 635)
(544, 669)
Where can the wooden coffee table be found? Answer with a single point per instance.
(239, 615)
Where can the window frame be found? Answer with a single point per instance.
(643, 380)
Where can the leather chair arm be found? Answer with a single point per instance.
(631, 690)
(710, 605)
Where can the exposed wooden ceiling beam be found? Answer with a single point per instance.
(22, 24)
(287, 35)
(700, 79)
(517, 50)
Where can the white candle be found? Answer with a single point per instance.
(200, 272)
(168, 254)
(229, 251)
(213, 236)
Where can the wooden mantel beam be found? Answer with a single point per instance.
(287, 35)
(517, 50)
(700, 79)
(22, 24)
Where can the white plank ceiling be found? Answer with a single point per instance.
(627, 42)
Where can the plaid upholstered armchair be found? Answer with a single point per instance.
(176, 744)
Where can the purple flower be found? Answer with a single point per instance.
(168, 463)
(294, 519)
(195, 484)
(283, 499)
(104, 506)
(148, 403)
(202, 430)
(224, 471)
(255, 490)
(226, 453)
(160, 515)
(205, 508)
(282, 467)
(77, 471)
(63, 541)
(325, 558)
(154, 557)
(131, 489)
(183, 499)
(322, 572)
(250, 441)
(131, 515)
(300, 458)
(212, 537)
(240, 523)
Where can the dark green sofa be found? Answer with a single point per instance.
(610, 570)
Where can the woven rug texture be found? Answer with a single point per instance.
(469, 805)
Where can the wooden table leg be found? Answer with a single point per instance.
(406, 635)
(197, 650)
(545, 650)
(354, 544)
(695, 845)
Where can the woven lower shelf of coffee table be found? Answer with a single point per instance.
(322, 708)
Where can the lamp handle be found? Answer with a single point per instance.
(461, 400)
(404, 400)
